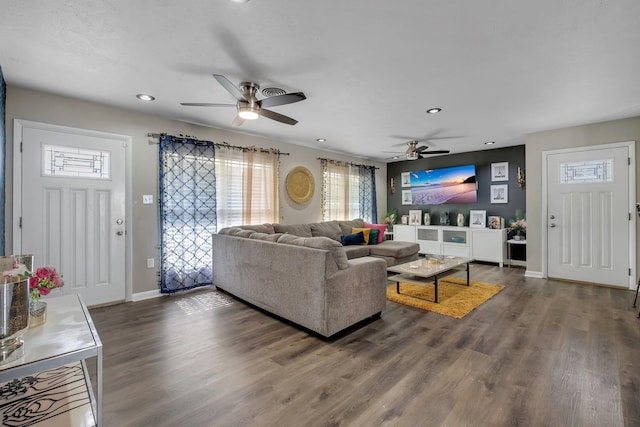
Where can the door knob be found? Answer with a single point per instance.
(119, 233)
(552, 217)
(552, 225)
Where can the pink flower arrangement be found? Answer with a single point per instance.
(43, 280)
(519, 225)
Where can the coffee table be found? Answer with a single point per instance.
(422, 271)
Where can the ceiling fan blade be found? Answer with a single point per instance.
(277, 117)
(238, 121)
(205, 104)
(287, 98)
(230, 87)
(421, 149)
(436, 152)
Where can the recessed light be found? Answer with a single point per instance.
(489, 143)
(434, 110)
(240, 1)
(321, 139)
(145, 97)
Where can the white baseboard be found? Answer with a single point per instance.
(145, 295)
(534, 274)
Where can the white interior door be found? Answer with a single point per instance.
(73, 209)
(588, 217)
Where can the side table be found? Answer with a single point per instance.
(513, 242)
(68, 336)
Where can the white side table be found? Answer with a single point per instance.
(513, 242)
(388, 235)
(68, 335)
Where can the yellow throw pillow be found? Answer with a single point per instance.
(365, 231)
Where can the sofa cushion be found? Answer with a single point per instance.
(230, 231)
(381, 229)
(266, 236)
(260, 228)
(244, 233)
(346, 226)
(353, 239)
(373, 236)
(334, 248)
(300, 230)
(365, 231)
(326, 229)
(356, 251)
(395, 249)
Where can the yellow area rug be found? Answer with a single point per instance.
(455, 298)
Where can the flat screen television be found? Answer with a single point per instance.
(445, 185)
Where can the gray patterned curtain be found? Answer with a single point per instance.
(187, 212)
(368, 202)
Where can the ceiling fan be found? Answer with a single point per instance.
(249, 107)
(414, 152)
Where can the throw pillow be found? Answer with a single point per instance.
(381, 227)
(353, 239)
(366, 232)
(373, 236)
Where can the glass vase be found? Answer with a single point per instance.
(14, 316)
(37, 313)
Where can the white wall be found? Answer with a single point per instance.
(47, 108)
(579, 136)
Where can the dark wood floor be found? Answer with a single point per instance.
(540, 353)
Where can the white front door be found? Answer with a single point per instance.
(588, 217)
(72, 209)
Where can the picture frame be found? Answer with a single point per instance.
(415, 217)
(477, 219)
(500, 171)
(499, 193)
(404, 220)
(494, 222)
(406, 197)
(406, 179)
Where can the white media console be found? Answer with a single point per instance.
(481, 244)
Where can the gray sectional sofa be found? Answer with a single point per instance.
(302, 272)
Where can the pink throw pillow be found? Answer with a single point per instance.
(380, 227)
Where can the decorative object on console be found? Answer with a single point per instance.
(495, 222)
(460, 220)
(500, 171)
(40, 283)
(391, 218)
(427, 218)
(14, 305)
(477, 219)
(444, 218)
(499, 193)
(405, 220)
(415, 216)
(300, 184)
(519, 229)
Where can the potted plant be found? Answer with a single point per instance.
(391, 218)
(518, 228)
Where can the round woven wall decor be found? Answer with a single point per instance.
(300, 184)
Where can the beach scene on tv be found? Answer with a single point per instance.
(445, 185)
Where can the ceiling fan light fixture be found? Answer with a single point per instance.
(247, 113)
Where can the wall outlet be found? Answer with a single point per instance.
(147, 199)
(150, 262)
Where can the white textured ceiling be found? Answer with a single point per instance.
(370, 69)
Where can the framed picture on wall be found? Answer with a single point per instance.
(500, 171)
(406, 179)
(478, 219)
(415, 217)
(500, 193)
(406, 197)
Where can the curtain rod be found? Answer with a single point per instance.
(222, 144)
(341, 162)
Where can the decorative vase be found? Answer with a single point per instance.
(14, 316)
(460, 220)
(427, 218)
(444, 218)
(37, 313)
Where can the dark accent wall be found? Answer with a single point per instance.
(482, 160)
(3, 153)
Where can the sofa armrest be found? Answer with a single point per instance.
(355, 293)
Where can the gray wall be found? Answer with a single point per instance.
(579, 136)
(47, 108)
(482, 160)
